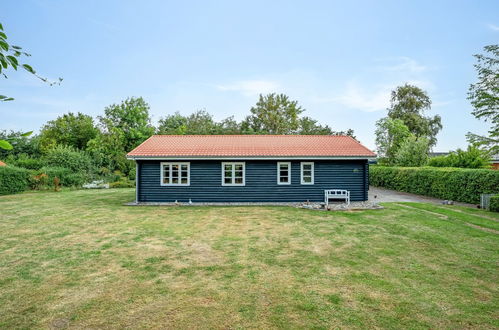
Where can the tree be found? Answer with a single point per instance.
(229, 126)
(197, 123)
(20, 143)
(130, 120)
(9, 58)
(484, 97)
(390, 134)
(274, 114)
(70, 130)
(201, 123)
(412, 151)
(175, 124)
(472, 157)
(309, 126)
(124, 126)
(409, 103)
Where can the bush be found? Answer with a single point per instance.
(473, 157)
(457, 184)
(494, 203)
(13, 180)
(67, 177)
(124, 182)
(67, 157)
(25, 161)
(38, 180)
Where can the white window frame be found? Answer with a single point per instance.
(279, 173)
(233, 177)
(163, 164)
(312, 170)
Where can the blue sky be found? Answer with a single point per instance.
(339, 59)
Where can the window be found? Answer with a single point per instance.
(175, 174)
(283, 173)
(233, 174)
(307, 173)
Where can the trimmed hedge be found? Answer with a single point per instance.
(13, 180)
(457, 184)
(494, 203)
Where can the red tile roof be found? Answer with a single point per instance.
(250, 146)
(2, 163)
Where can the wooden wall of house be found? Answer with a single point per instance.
(261, 182)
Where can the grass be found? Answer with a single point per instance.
(81, 259)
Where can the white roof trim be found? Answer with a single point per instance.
(246, 157)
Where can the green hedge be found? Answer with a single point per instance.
(494, 203)
(67, 177)
(13, 180)
(457, 184)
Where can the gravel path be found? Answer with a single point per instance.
(381, 195)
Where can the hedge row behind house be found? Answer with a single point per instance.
(457, 184)
(13, 180)
(494, 203)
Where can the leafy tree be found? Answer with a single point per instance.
(70, 158)
(484, 97)
(472, 157)
(108, 152)
(408, 103)
(412, 151)
(69, 130)
(309, 126)
(198, 123)
(129, 120)
(124, 126)
(10, 58)
(175, 124)
(348, 132)
(19, 143)
(390, 134)
(229, 126)
(201, 123)
(274, 114)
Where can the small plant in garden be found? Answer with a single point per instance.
(56, 184)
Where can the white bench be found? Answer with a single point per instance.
(338, 194)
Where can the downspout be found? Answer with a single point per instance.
(136, 181)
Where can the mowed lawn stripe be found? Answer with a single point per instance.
(458, 215)
(82, 259)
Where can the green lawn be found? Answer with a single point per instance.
(80, 259)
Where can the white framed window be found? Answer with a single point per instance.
(175, 174)
(283, 173)
(233, 174)
(307, 172)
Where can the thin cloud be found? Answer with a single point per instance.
(402, 64)
(369, 99)
(493, 27)
(251, 87)
(356, 97)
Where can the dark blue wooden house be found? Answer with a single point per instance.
(249, 168)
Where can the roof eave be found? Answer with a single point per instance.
(134, 157)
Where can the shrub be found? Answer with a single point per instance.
(26, 161)
(473, 157)
(463, 185)
(30, 163)
(124, 182)
(67, 177)
(494, 203)
(38, 180)
(13, 180)
(67, 157)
